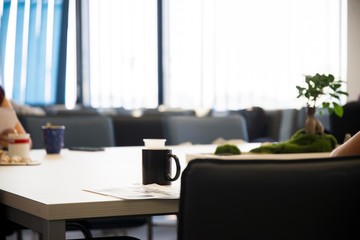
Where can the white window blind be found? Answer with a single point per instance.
(231, 54)
(123, 53)
(221, 54)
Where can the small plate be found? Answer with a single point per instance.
(32, 163)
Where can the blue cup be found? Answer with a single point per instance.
(53, 136)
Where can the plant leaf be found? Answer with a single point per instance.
(339, 111)
(343, 93)
(326, 105)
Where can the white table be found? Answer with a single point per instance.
(43, 197)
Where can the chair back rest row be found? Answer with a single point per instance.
(103, 131)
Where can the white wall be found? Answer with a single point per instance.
(353, 60)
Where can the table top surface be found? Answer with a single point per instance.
(54, 189)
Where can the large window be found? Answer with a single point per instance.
(123, 53)
(231, 54)
(221, 54)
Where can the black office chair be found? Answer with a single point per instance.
(256, 123)
(270, 199)
(203, 130)
(130, 131)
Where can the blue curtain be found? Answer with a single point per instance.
(3, 30)
(38, 90)
(18, 49)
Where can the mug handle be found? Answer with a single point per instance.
(178, 168)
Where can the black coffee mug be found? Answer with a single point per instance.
(156, 166)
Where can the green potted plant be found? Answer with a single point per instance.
(320, 90)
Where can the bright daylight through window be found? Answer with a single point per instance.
(123, 53)
(222, 54)
(232, 54)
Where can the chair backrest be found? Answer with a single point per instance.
(204, 130)
(84, 131)
(287, 124)
(282, 123)
(169, 112)
(130, 131)
(348, 123)
(270, 199)
(256, 123)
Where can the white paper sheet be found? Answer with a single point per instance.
(138, 191)
(8, 119)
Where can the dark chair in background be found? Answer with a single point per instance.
(256, 123)
(269, 125)
(85, 131)
(158, 112)
(312, 199)
(348, 123)
(203, 130)
(130, 131)
(277, 125)
(282, 124)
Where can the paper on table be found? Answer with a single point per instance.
(138, 191)
(8, 119)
